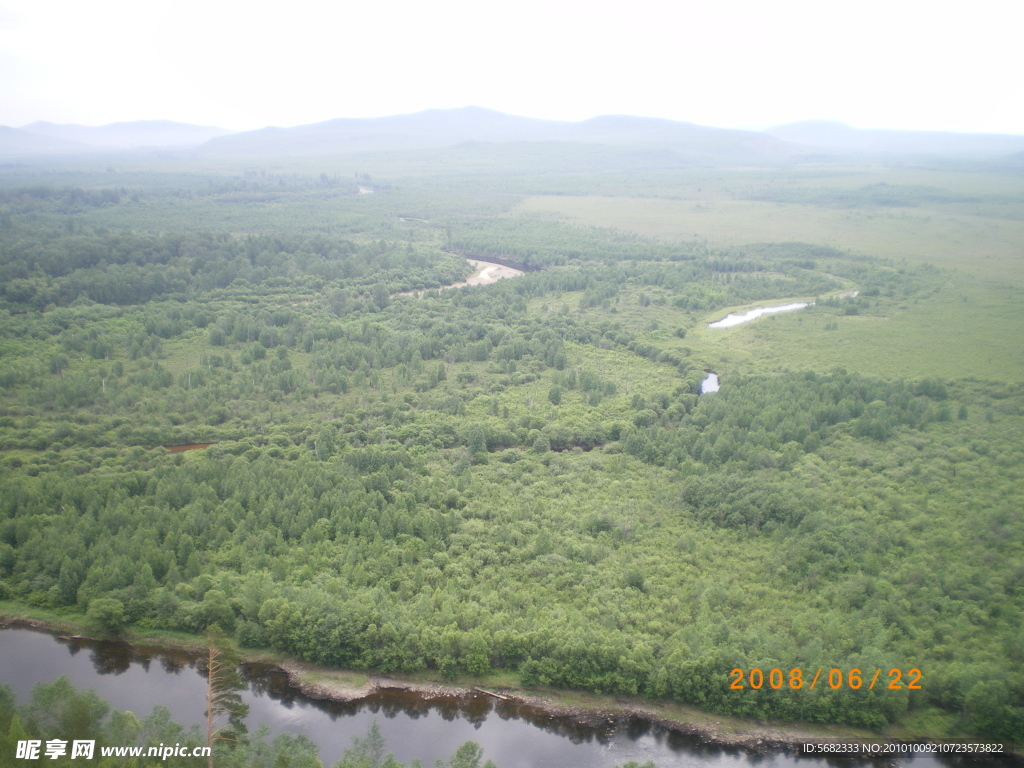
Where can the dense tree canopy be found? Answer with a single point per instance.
(518, 477)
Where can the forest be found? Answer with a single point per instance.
(518, 482)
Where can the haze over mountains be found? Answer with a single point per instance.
(49, 138)
(829, 134)
(439, 128)
(141, 133)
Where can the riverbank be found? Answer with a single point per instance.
(589, 710)
(586, 709)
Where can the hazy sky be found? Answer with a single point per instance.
(742, 63)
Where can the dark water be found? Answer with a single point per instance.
(511, 734)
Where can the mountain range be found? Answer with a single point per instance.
(438, 128)
(449, 127)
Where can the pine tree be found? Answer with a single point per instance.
(222, 698)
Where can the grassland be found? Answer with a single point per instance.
(984, 246)
(969, 225)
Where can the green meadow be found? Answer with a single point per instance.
(969, 225)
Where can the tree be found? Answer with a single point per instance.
(108, 613)
(365, 752)
(222, 698)
(990, 712)
(555, 395)
(468, 755)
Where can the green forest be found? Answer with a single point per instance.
(521, 481)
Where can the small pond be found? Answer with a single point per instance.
(710, 384)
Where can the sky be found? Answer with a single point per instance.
(934, 65)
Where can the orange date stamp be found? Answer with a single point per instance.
(835, 678)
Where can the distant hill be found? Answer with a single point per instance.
(840, 137)
(15, 141)
(437, 128)
(133, 135)
(677, 143)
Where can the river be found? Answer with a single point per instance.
(732, 320)
(512, 734)
(484, 273)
